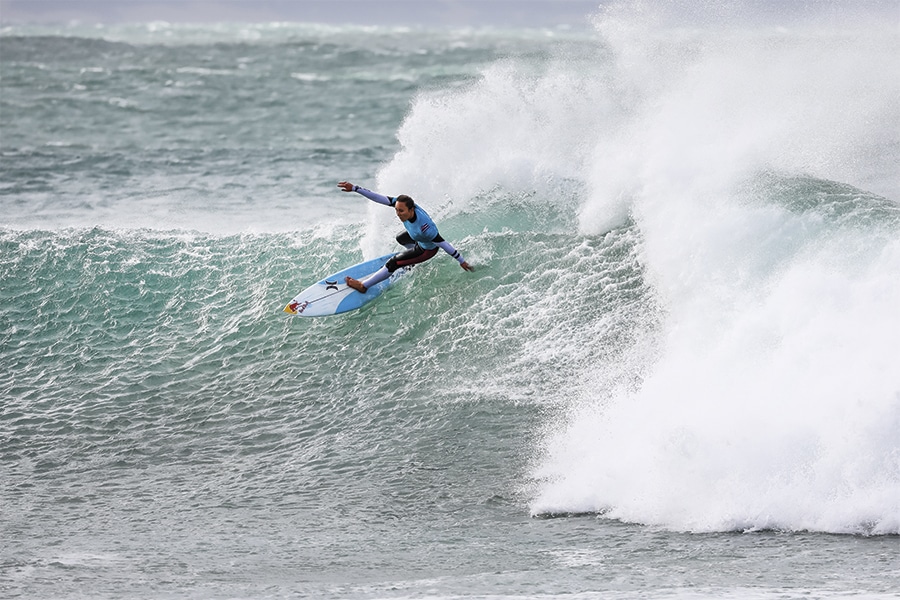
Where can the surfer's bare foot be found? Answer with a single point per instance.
(356, 285)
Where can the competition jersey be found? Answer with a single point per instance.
(420, 228)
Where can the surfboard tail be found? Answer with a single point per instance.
(291, 308)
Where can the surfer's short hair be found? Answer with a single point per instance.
(409, 202)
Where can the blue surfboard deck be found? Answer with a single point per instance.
(332, 296)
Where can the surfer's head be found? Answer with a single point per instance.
(405, 207)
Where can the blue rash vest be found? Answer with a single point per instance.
(421, 228)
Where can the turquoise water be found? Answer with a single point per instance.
(672, 374)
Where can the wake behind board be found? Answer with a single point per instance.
(332, 296)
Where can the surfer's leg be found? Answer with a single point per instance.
(410, 257)
(376, 277)
(404, 239)
(364, 285)
(413, 256)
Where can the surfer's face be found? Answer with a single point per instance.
(404, 213)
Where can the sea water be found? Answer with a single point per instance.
(674, 373)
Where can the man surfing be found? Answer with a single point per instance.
(421, 237)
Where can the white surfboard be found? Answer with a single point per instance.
(332, 296)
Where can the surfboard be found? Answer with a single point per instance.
(332, 296)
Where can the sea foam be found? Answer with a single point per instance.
(769, 391)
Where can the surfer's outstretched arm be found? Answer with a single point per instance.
(449, 249)
(373, 196)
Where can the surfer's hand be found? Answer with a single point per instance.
(466, 266)
(346, 186)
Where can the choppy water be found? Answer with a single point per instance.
(674, 372)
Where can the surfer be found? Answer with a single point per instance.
(421, 237)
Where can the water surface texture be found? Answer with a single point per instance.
(673, 374)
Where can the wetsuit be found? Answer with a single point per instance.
(421, 239)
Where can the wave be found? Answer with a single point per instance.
(686, 243)
(770, 398)
(145, 351)
(754, 168)
(754, 392)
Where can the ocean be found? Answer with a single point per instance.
(674, 372)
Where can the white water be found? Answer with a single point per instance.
(771, 398)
